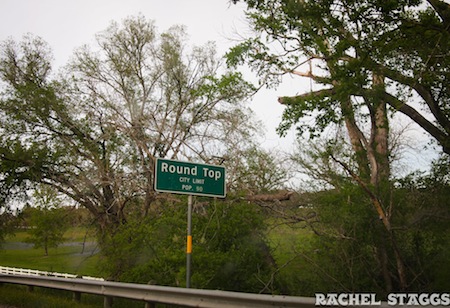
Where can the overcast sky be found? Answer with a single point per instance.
(68, 24)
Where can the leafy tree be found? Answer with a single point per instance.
(402, 43)
(93, 133)
(255, 171)
(363, 66)
(8, 223)
(229, 247)
(232, 252)
(48, 220)
(344, 255)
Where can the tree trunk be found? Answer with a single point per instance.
(357, 139)
(383, 259)
(374, 173)
(380, 177)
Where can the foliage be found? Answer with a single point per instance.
(47, 228)
(94, 131)
(342, 46)
(48, 221)
(7, 224)
(229, 249)
(256, 171)
(352, 243)
(346, 253)
(232, 251)
(364, 68)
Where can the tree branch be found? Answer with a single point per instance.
(290, 100)
(375, 201)
(413, 114)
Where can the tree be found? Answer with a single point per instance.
(364, 67)
(93, 133)
(48, 220)
(256, 171)
(344, 254)
(229, 247)
(8, 222)
(403, 44)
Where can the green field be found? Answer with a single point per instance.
(71, 257)
(75, 256)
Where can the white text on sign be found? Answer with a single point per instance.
(184, 170)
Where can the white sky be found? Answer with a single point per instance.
(68, 24)
(71, 23)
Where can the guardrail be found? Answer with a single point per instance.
(23, 271)
(159, 294)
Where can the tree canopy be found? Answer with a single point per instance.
(368, 60)
(343, 46)
(94, 131)
(48, 220)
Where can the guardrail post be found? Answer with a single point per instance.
(77, 296)
(150, 305)
(107, 302)
(30, 288)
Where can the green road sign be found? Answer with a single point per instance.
(188, 178)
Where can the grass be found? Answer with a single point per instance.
(287, 241)
(67, 258)
(290, 248)
(19, 296)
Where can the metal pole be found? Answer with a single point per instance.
(189, 243)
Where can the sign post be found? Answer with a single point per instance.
(172, 176)
(189, 243)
